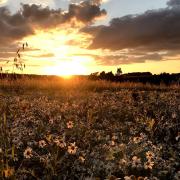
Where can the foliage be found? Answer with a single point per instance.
(17, 64)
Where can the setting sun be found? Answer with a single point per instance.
(66, 68)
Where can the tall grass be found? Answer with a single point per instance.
(76, 84)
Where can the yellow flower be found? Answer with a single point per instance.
(60, 143)
(148, 165)
(82, 159)
(8, 172)
(136, 161)
(69, 124)
(137, 139)
(149, 155)
(28, 153)
(72, 148)
(122, 162)
(42, 143)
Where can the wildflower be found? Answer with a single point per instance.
(72, 148)
(123, 162)
(60, 143)
(137, 139)
(127, 178)
(148, 165)
(149, 155)
(69, 124)
(136, 162)
(16, 140)
(42, 144)
(31, 133)
(82, 159)
(132, 177)
(8, 172)
(51, 121)
(28, 153)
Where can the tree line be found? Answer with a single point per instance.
(141, 77)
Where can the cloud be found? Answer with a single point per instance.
(86, 11)
(31, 17)
(117, 58)
(173, 3)
(151, 31)
(12, 27)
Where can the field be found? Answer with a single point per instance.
(88, 130)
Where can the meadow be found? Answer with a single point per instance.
(88, 130)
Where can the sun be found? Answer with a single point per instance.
(66, 69)
(55, 55)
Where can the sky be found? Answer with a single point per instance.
(67, 37)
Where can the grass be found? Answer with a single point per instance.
(79, 84)
(81, 129)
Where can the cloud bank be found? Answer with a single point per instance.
(152, 30)
(31, 17)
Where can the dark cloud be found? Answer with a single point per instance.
(86, 11)
(120, 57)
(151, 31)
(23, 23)
(115, 60)
(173, 3)
(12, 27)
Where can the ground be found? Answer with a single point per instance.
(88, 130)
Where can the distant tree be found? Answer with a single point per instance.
(94, 76)
(119, 72)
(109, 76)
(102, 75)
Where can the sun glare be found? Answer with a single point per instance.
(66, 69)
(65, 59)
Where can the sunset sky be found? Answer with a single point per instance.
(85, 36)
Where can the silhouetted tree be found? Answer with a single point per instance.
(94, 76)
(119, 72)
(102, 75)
(110, 76)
